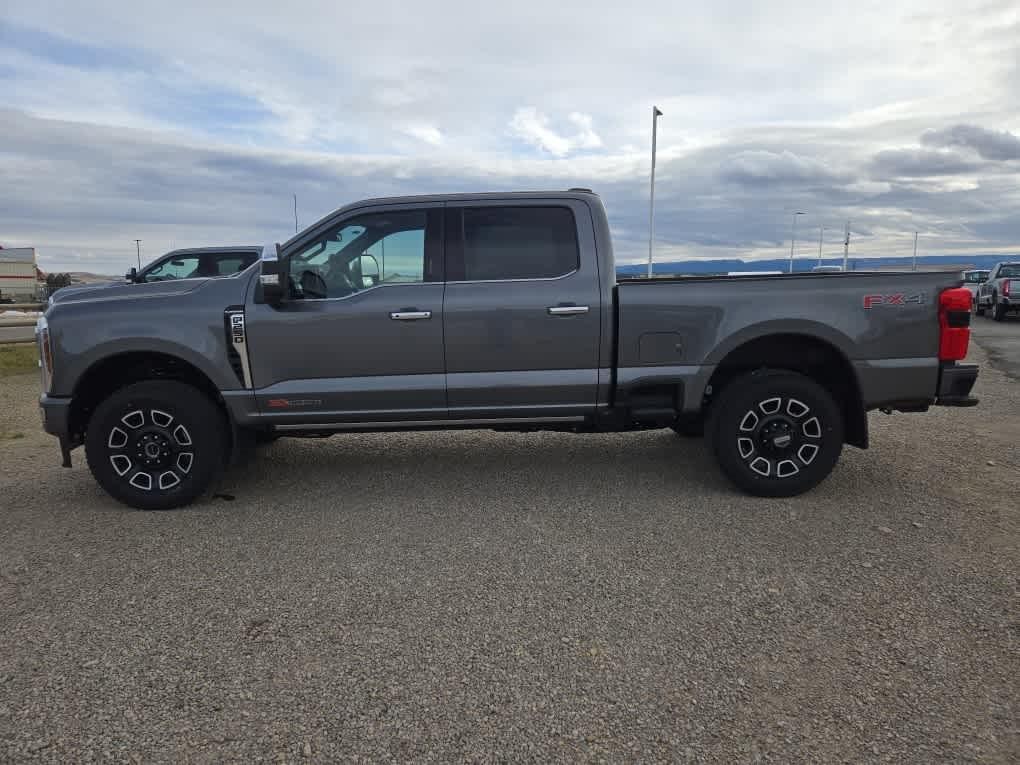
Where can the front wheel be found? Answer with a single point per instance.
(776, 433)
(978, 308)
(156, 445)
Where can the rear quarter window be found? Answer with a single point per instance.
(501, 243)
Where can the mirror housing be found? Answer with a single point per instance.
(273, 276)
(132, 275)
(372, 272)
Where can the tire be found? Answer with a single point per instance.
(767, 422)
(139, 440)
(979, 309)
(998, 311)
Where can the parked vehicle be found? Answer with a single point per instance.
(491, 310)
(191, 263)
(1000, 292)
(973, 280)
(827, 269)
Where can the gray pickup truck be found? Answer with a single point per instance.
(493, 311)
(999, 293)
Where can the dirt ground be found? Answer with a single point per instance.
(483, 596)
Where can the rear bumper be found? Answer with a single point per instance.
(955, 383)
(56, 421)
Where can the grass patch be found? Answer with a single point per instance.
(18, 359)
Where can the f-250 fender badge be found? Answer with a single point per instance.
(897, 299)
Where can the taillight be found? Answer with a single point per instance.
(954, 323)
(1005, 287)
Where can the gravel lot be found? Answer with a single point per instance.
(1001, 341)
(493, 597)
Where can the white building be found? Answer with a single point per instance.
(18, 275)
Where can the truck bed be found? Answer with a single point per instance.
(884, 324)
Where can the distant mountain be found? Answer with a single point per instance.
(806, 264)
(84, 277)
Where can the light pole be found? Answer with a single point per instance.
(821, 232)
(793, 238)
(914, 265)
(846, 246)
(138, 252)
(651, 196)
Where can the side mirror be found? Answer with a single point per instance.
(369, 266)
(132, 275)
(273, 276)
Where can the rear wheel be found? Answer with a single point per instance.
(978, 308)
(998, 310)
(776, 433)
(156, 445)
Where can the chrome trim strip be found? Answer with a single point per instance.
(502, 281)
(567, 310)
(427, 423)
(298, 301)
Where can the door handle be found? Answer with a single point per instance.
(410, 315)
(567, 310)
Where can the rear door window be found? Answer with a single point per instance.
(519, 243)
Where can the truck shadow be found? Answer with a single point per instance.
(473, 464)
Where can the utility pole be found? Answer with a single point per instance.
(914, 266)
(793, 238)
(651, 196)
(846, 246)
(138, 252)
(821, 231)
(295, 213)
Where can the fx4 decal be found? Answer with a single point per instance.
(898, 299)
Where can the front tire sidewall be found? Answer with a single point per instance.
(746, 394)
(188, 407)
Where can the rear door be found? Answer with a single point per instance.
(522, 309)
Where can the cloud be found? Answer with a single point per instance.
(187, 122)
(919, 163)
(989, 144)
(760, 168)
(532, 127)
(429, 134)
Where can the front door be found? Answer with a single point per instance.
(361, 337)
(522, 310)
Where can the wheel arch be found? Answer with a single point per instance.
(111, 373)
(816, 357)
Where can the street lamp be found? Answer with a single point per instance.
(651, 196)
(821, 233)
(138, 252)
(793, 238)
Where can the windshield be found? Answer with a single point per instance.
(975, 277)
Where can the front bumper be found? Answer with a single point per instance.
(955, 383)
(56, 417)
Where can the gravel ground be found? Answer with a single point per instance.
(481, 596)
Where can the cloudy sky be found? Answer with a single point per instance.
(188, 123)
